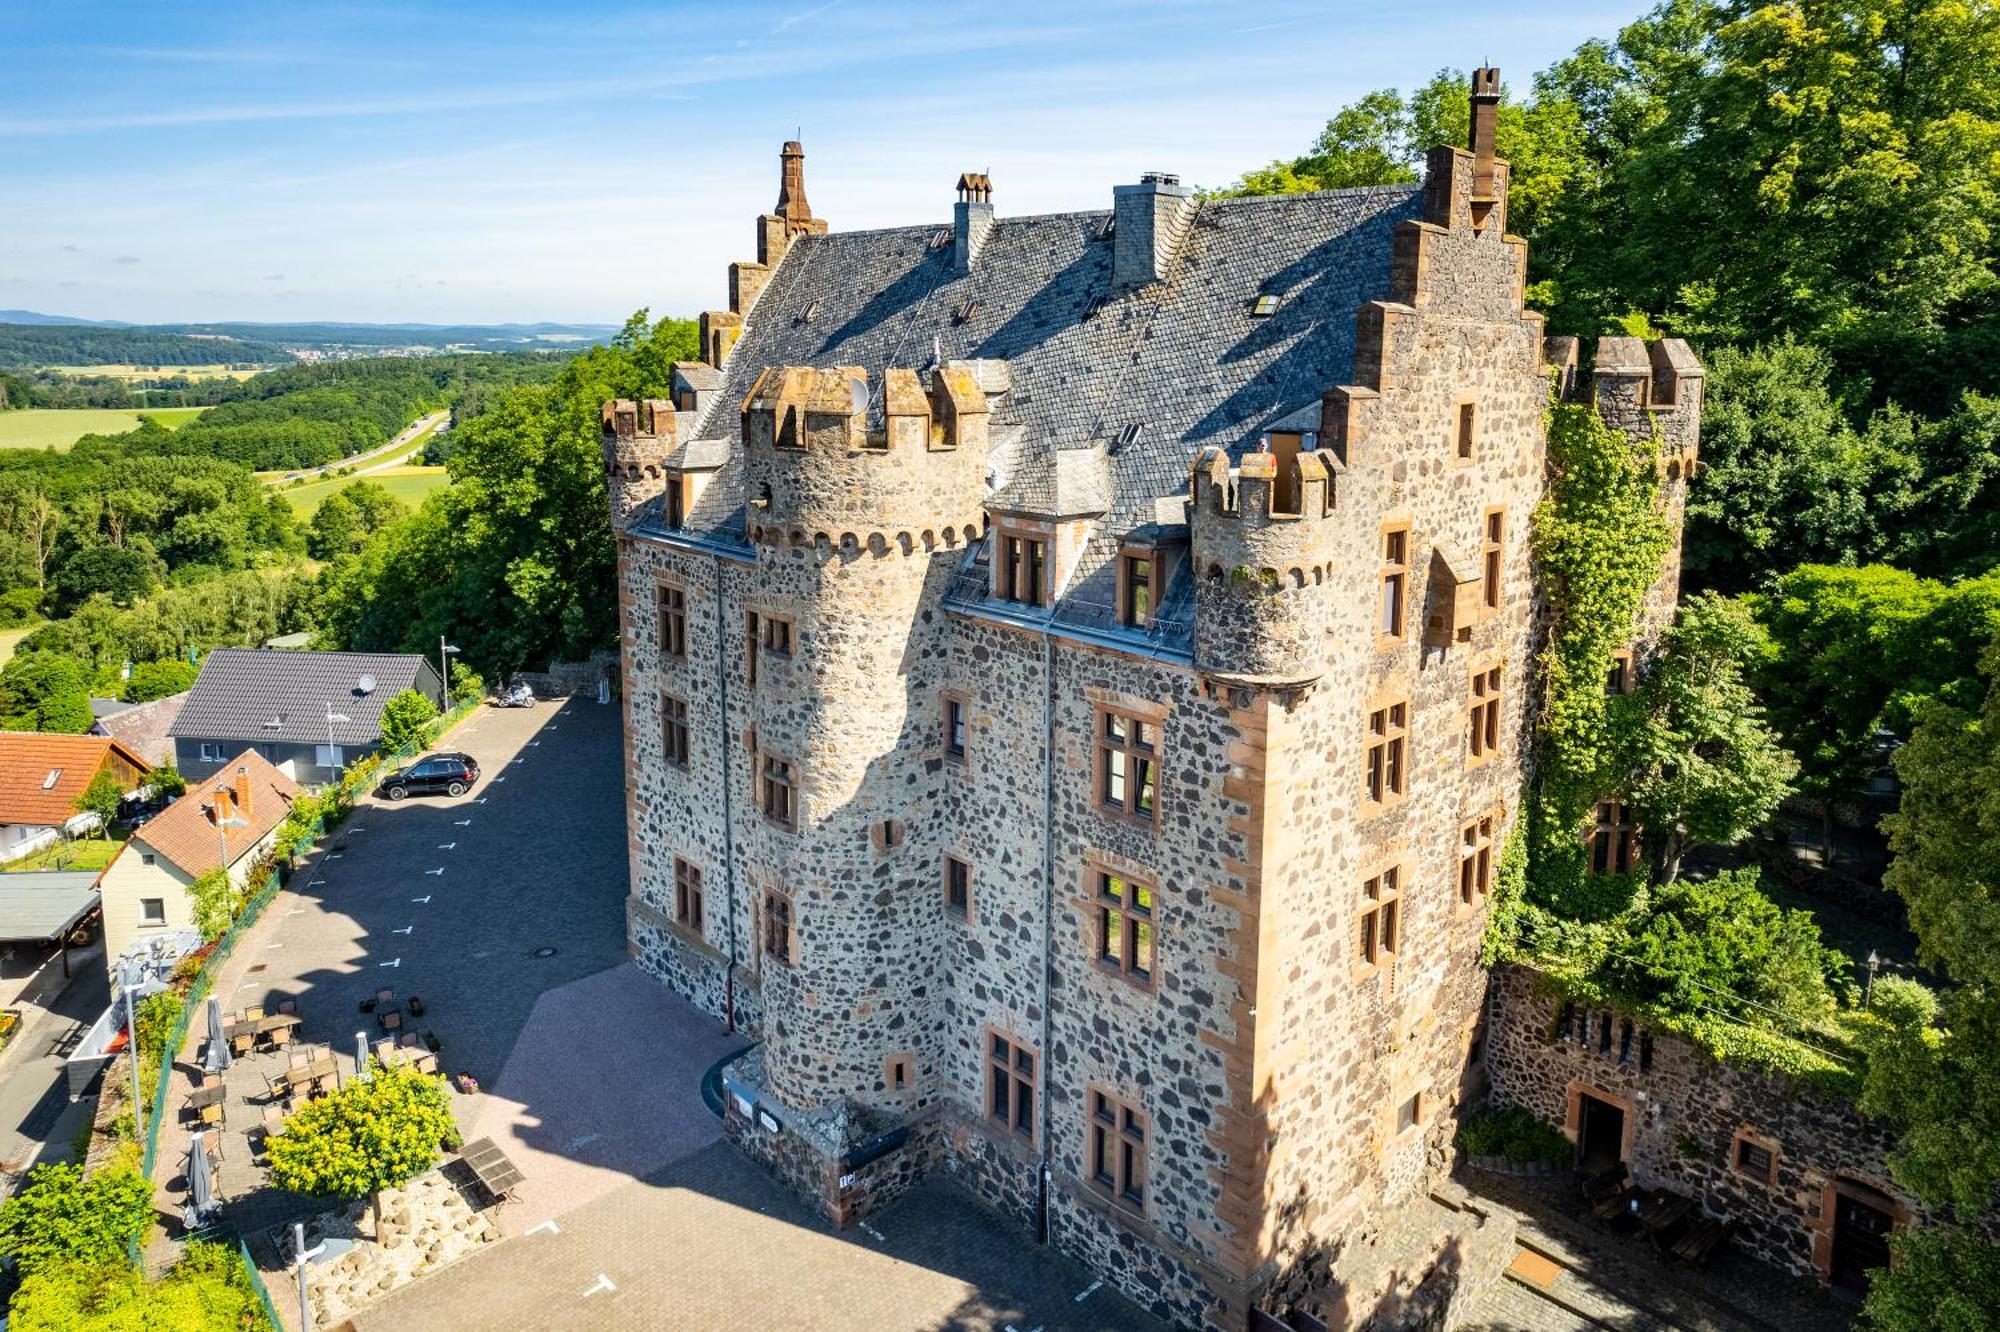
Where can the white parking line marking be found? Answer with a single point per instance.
(405, 930)
(438, 870)
(584, 1140)
(603, 1285)
(393, 962)
(425, 899)
(447, 846)
(464, 823)
(497, 779)
(549, 1226)
(531, 744)
(481, 800)
(1089, 1290)
(296, 911)
(274, 945)
(333, 855)
(518, 762)
(879, 1236)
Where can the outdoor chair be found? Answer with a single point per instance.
(408, 1040)
(391, 1020)
(281, 1038)
(240, 1044)
(254, 1013)
(384, 997)
(210, 1114)
(277, 1088)
(300, 1057)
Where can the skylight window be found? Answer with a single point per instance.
(1264, 306)
(55, 775)
(966, 309)
(811, 312)
(942, 239)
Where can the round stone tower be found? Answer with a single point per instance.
(861, 499)
(637, 438)
(1262, 543)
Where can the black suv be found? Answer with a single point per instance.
(451, 774)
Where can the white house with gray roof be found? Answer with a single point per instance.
(309, 713)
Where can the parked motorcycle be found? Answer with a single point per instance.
(516, 695)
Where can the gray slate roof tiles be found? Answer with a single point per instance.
(241, 690)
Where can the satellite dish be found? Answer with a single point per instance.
(366, 684)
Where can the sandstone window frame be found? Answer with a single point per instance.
(1465, 431)
(766, 634)
(778, 790)
(687, 895)
(955, 721)
(1613, 845)
(1482, 713)
(777, 928)
(1117, 1139)
(1023, 565)
(1620, 678)
(1385, 752)
(675, 492)
(1124, 930)
(1410, 1111)
(676, 744)
(899, 1071)
(670, 601)
(1142, 577)
(1125, 765)
(1392, 608)
(1746, 1146)
(1013, 1076)
(1379, 924)
(1492, 558)
(956, 882)
(1478, 856)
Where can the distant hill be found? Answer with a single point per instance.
(28, 346)
(29, 339)
(33, 317)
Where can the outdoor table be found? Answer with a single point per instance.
(1660, 1212)
(202, 1097)
(496, 1174)
(322, 1067)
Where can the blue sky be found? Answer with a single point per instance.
(504, 161)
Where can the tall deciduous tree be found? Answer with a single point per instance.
(366, 1137)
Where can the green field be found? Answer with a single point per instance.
(408, 484)
(48, 427)
(11, 638)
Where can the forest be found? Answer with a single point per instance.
(26, 346)
(1808, 192)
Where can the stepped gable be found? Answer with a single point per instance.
(1182, 358)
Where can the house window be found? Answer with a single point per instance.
(1388, 739)
(1468, 426)
(1022, 575)
(211, 753)
(1128, 765)
(1395, 581)
(152, 911)
(1410, 1113)
(673, 621)
(777, 927)
(957, 886)
(778, 791)
(676, 515)
(1475, 860)
(898, 1071)
(954, 728)
(148, 858)
(1491, 552)
(1618, 679)
(766, 633)
(674, 729)
(1380, 927)
(1118, 1150)
(1483, 715)
(1139, 588)
(687, 894)
(1614, 840)
(1010, 1085)
(1755, 1159)
(1124, 927)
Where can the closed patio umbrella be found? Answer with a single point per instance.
(202, 1201)
(361, 1056)
(217, 1058)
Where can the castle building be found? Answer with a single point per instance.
(1076, 680)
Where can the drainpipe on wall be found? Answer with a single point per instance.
(728, 821)
(1043, 1176)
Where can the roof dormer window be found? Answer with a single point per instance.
(1264, 306)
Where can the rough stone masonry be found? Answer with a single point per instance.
(1076, 675)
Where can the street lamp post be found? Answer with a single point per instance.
(1874, 965)
(445, 652)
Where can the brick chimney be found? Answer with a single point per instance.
(241, 793)
(1148, 221)
(1485, 128)
(971, 219)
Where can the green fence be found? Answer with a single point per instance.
(257, 1284)
(347, 789)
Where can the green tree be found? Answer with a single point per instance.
(42, 691)
(166, 780)
(214, 895)
(366, 1137)
(122, 573)
(406, 721)
(101, 798)
(1945, 1279)
(60, 1214)
(159, 679)
(467, 685)
(335, 528)
(1708, 769)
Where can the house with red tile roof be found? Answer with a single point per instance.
(41, 776)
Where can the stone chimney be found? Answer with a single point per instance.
(793, 216)
(1485, 128)
(1148, 221)
(240, 796)
(971, 219)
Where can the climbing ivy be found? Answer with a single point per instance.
(1600, 536)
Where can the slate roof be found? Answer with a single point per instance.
(185, 831)
(144, 728)
(41, 775)
(1182, 359)
(241, 692)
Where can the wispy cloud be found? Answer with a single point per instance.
(791, 21)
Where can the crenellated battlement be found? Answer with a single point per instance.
(637, 438)
(1647, 388)
(1263, 487)
(831, 454)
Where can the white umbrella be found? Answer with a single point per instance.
(361, 1056)
(217, 1058)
